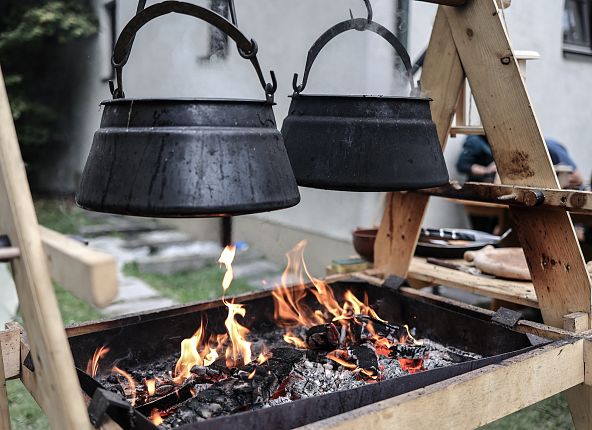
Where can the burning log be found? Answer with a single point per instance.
(403, 350)
(324, 336)
(365, 327)
(366, 358)
(249, 386)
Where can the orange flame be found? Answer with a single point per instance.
(130, 381)
(295, 340)
(191, 356)
(240, 348)
(155, 417)
(339, 356)
(252, 374)
(92, 366)
(263, 357)
(226, 258)
(150, 386)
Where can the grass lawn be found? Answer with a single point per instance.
(204, 284)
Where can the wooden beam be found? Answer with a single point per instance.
(548, 237)
(51, 354)
(516, 195)
(575, 322)
(4, 412)
(474, 399)
(88, 274)
(519, 292)
(10, 253)
(442, 80)
(10, 341)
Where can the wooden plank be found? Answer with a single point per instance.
(519, 292)
(474, 399)
(4, 412)
(576, 322)
(88, 274)
(515, 195)
(51, 354)
(467, 130)
(442, 79)
(548, 237)
(10, 253)
(10, 341)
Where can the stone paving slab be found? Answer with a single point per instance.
(138, 306)
(131, 288)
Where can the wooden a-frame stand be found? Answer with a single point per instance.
(466, 42)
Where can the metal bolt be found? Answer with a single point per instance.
(505, 60)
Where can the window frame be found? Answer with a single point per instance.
(574, 48)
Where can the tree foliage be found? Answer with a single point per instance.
(36, 39)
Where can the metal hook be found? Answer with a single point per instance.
(368, 9)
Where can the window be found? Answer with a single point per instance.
(577, 30)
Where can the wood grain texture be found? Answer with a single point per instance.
(548, 237)
(51, 354)
(474, 399)
(516, 195)
(442, 79)
(4, 413)
(10, 341)
(519, 292)
(88, 274)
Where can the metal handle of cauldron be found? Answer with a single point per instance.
(246, 48)
(359, 24)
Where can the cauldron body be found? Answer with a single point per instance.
(187, 157)
(363, 143)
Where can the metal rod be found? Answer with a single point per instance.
(232, 9)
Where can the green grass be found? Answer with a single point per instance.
(204, 284)
(550, 414)
(61, 215)
(25, 414)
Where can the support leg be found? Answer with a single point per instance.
(4, 414)
(442, 80)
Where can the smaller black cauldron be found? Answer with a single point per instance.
(363, 143)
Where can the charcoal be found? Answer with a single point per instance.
(207, 374)
(361, 331)
(402, 350)
(163, 390)
(324, 336)
(365, 356)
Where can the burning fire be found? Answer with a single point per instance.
(239, 350)
(155, 417)
(93, 364)
(150, 386)
(130, 381)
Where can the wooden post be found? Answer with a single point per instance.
(4, 413)
(442, 80)
(54, 366)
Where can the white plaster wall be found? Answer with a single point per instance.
(165, 63)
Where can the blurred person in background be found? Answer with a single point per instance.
(477, 163)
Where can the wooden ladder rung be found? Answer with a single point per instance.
(10, 253)
(515, 195)
(468, 130)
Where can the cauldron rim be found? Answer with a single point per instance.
(187, 100)
(360, 97)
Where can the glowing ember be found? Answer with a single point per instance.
(130, 381)
(93, 364)
(155, 417)
(411, 365)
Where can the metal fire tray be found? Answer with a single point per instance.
(146, 337)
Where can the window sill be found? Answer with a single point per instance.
(577, 50)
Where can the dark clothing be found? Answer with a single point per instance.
(476, 150)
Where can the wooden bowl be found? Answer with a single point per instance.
(363, 240)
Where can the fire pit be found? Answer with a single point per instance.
(286, 357)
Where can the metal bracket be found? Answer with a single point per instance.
(395, 282)
(106, 403)
(506, 317)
